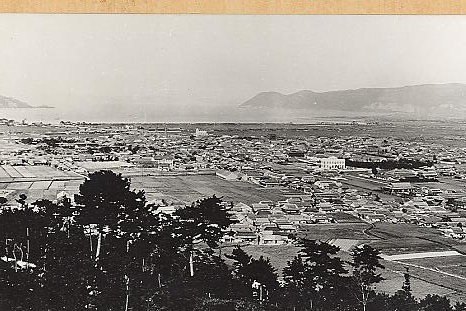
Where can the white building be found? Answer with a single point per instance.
(200, 133)
(331, 163)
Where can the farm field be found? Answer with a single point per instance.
(394, 246)
(394, 278)
(366, 184)
(409, 238)
(370, 184)
(325, 232)
(37, 182)
(8, 172)
(37, 190)
(342, 217)
(423, 281)
(407, 230)
(187, 189)
(176, 189)
(8, 145)
(392, 239)
(442, 275)
(449, 264)
(453, 286)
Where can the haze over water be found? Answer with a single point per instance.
(199, 68)
(235, 115)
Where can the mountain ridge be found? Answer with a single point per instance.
(10, 102)
(422, 98)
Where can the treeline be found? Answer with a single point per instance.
(390, 164)
(112, 250)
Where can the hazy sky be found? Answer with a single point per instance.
(86, 60)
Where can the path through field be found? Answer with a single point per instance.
(420, 255)
(433, 270)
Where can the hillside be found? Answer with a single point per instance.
(10, 102)
(428, 98)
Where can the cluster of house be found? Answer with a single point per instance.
(271, 223)
(73, 146)
(308, 170)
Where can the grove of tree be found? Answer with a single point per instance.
(109, 249)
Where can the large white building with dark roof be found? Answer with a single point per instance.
(331, 163)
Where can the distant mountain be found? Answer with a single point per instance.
(425, 99)
(10, 102)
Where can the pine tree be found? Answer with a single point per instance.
(403, 300)
(106, 200)
(406, 287)
(248, 271)
(240, 257)
(366, 262)
(69, 269)
(318, 274)
(241, 260)
(296, 283)
(435, 303)
(204, 221)
(261, 271)
(460, 306)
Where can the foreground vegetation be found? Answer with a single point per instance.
(113, 251)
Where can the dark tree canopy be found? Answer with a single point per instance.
(111, 251)
(3, 200)
(314, 279)
(107, 200)
(366, 263)
(203, 221)
(435, 303)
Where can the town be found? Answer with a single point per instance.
(348, 184)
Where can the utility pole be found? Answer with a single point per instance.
(90, 240)
(27, 246)
(127, 293)
(191, 264)
(127, 281)
(14, 256)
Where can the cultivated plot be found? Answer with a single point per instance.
(453, 284)
(33, 172)
(325, 232)
(194, 187)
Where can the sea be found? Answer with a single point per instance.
(144, 115)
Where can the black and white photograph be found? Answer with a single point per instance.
(232, 162)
